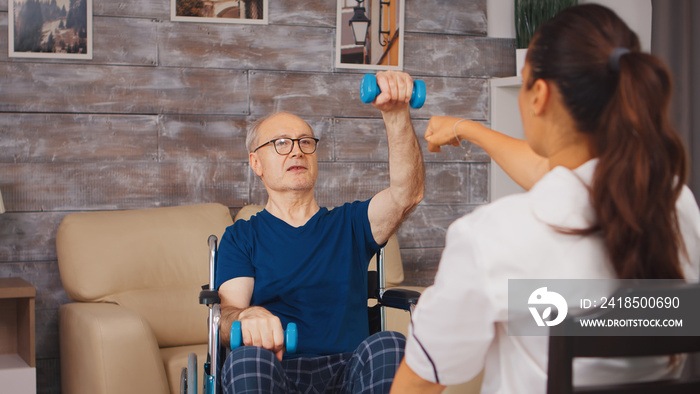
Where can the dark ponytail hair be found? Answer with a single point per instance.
(642, 164)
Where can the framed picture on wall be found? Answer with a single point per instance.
(60, 29)
(369, 34)
(219, 11)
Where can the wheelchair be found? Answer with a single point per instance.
(216, 354)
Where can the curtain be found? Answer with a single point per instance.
(676, 40)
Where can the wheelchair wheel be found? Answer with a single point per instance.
(192, 374)
(183, 381)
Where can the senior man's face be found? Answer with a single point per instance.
(296, 170)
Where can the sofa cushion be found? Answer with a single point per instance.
(111, 252)
(393, 266)
(174, 314)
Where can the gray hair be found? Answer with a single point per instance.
(251, 138)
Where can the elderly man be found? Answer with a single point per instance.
(297, 262)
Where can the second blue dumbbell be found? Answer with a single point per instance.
(290, 336)
(369, 90)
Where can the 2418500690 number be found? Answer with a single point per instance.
(631, 302)
(640, 302)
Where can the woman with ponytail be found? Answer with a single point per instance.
(605, 173)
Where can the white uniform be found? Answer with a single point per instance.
(461, 321)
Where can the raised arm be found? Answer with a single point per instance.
(406, 171)
(514, 156)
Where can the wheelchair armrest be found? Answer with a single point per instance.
(209, 297)
(399, 298)
(372, 284)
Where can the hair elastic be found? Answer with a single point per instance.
(614, 59)
(454, 130)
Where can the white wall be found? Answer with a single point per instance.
(636, 13)
(501, 19)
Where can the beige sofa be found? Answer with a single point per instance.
(135, 277)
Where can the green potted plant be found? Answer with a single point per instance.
(529, 15)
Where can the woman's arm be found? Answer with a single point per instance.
(406, 382)
(514, 156)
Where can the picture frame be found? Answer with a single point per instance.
(253, 12)
(383, 48)
(54, 29)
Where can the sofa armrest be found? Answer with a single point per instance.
(107, 349)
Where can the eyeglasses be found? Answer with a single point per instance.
(284, 146)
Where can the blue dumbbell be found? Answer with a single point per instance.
(291, 336)
(369, 90)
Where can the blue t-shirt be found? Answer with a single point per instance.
(314, 275)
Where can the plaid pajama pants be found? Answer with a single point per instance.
(369, 369)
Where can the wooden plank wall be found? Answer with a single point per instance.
(158, 118)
